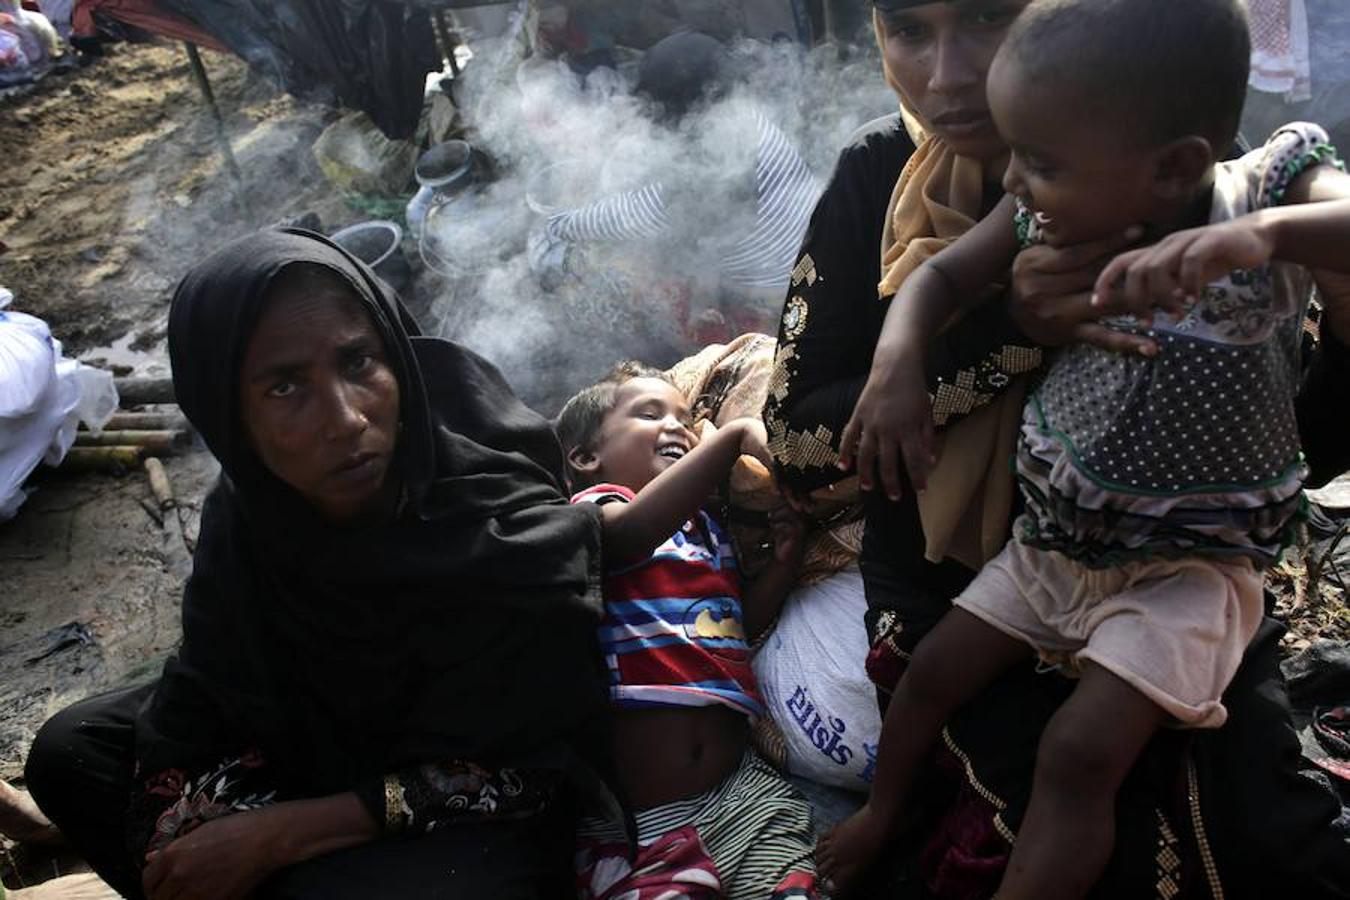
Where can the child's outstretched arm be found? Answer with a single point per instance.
(633, 530)
(894, 408)
(1311, 228)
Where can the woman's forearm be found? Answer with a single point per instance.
(304, 829)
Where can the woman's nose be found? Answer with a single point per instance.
(342, 415)
(955, 68)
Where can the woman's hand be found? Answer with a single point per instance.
(1052, 290)
(1173, 273)
(787, 527)
(223, 859)
(893, 411)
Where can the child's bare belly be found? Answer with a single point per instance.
(666, 754)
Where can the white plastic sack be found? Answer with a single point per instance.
(43, 398)
(811, 675)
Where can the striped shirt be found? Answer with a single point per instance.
(786, 193)
(672, 632)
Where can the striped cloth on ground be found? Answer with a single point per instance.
(755, 827)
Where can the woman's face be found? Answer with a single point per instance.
(319, 400)
(939, 54)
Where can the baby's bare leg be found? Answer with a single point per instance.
(1089, 746)
(959, 656)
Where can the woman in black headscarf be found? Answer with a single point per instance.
(389, 626)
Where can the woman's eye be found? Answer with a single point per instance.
(360, 363)
(284, 389)
(996, 15)
(909, 32)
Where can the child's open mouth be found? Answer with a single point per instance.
(671, 451)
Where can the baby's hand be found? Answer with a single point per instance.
(892, 411)
(788, 529)
(1178, 267)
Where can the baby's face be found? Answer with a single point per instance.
(1069, 165)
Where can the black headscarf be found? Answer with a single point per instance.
(462, 629)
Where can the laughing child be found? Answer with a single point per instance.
(1158, 485)
(713, 819)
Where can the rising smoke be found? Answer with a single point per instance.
(553, 333)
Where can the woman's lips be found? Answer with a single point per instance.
(963, 122)
(358, 469)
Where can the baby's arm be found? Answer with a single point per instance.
(633, 530)
(894, 407)
(1311, 228)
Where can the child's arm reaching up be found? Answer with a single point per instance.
(633, 530)
(894, 408)
(1311, 228)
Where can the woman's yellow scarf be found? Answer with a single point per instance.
(938, 198)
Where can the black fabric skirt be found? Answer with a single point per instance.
(80, 771)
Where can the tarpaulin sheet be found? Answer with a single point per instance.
(143, 14)
(369, 55)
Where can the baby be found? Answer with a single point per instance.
(1158, 485)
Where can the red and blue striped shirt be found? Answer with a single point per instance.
(673, 634)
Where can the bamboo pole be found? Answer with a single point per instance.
(102, 459)
(152, 441)
(145, 421)
(138, 391)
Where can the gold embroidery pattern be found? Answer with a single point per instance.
(794, 318)
(1201, 838)
(795, 449)
(395, 816)
(782, 372)
(989, 796)
(1167, 859)
(805, 271)
(975, 387)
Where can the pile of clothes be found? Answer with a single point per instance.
(29, 44)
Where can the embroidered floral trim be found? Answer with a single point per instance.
(235, 785)
(975, 387)
(794, 318)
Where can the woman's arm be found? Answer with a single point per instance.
(832, 318)
(894, 409)
(228, 857)
(832, 314)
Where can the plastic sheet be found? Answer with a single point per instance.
(372, 56)
(43, 398)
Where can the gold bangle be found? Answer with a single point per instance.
(395, 819)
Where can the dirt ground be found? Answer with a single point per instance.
(114, 187)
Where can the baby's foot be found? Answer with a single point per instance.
(845, 852)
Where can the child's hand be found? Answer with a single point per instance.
(1180, 265)
(754, 439)
(892, 411)
(788, 529)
